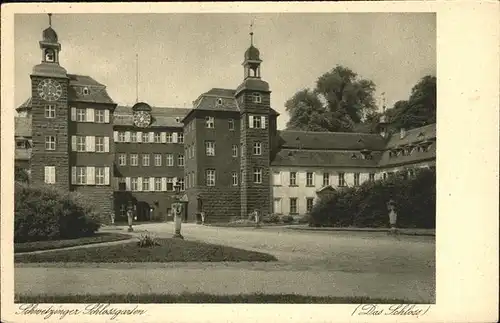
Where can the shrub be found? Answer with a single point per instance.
(45, 213)
(304, 219)
(147, 240)
(287, 219)
(366, 205)
(272, 218)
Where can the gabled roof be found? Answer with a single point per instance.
(161, 117)
(22, 126)
(326, 158)
(330, 140)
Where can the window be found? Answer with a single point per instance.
(256, 98)
(210, 177)
(81, 115)
(170, 184)
(168, 137)
(230, 123)
(235, 151)
(326, 179)
(50, 174)
(293, 205)
(277, 178)
(158, 184)
(180, 137)
(123, 210)
(170, 160)
(384, 175)
(180, 181)
(50, 111)
(145, 184)
(257, 122)
(257, 175)
(145, 160)
(309, 179)
(122, 159)
(411, 172)
(50, 143)
(180, 160)
(134, 160)
(356, 179)
(99, 144)
(121, 136)
(309, 204)
(145, 137)
(210, 148)
(99, 116)
(371, 177)
(81, 175)
(235, 179)
(134, 186)
(157, 160)
(293, 178)
(209, 122)
(341, 179)
(257, 148)
(157, 137)
(80, 143)
(21, 144)
(49, 55)
(219, 101)
(133, 136)
(99, 175)
(86, 91)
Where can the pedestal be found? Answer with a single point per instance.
(178, 223)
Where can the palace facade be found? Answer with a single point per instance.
(225, 153)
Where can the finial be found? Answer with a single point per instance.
(251, 33)
(50, 20)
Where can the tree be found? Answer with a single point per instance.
(420, 108)
(339, 102)
(21, 175)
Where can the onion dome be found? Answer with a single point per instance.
(50, 35)
(252, 54)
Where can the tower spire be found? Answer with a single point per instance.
(50, 20)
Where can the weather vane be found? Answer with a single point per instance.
(251, 32)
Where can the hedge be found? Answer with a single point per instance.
(366, 205)
(46, 213)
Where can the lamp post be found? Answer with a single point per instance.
(130, 218)
(393, 216)
(177, 208)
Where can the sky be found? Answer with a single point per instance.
(181, 56)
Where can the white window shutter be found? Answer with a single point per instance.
(175, 137)
(47, 175)
(263, 122)
(87, 143)
(106, 116)
(163, 136)
(139, 184)
(163, 184)
(127, 183)
(106, 144)
(73, 114)
(92, 143)
(73, 175)
(90, 115)
(73, 143)
(250, 121)
(139, 136)
(90, 175)
(127, 136)
(115, 136)
(106, 175)
(152, 184)
(151, 137)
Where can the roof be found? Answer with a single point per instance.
(330, 140)
(25, 106)
(22, 126)
(412, 136)
(96, 91)
(252, 54)
(326, 158)
(50, 35)
(22, 154)
(161, 116)
(210, 100)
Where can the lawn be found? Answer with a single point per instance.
(169, 250)
(55, 244)
(204, 298)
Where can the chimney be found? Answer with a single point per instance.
(402, 133)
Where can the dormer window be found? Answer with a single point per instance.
(353, 156)
(49, 55)
(177, 119)
(256, 97)
(219, 101)
(86, 91)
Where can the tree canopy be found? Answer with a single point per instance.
(339, 101)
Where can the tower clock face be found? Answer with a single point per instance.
(49, 90)
(142, 119)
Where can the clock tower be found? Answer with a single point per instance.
(49, 97)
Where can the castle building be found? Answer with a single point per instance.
(225, 153)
